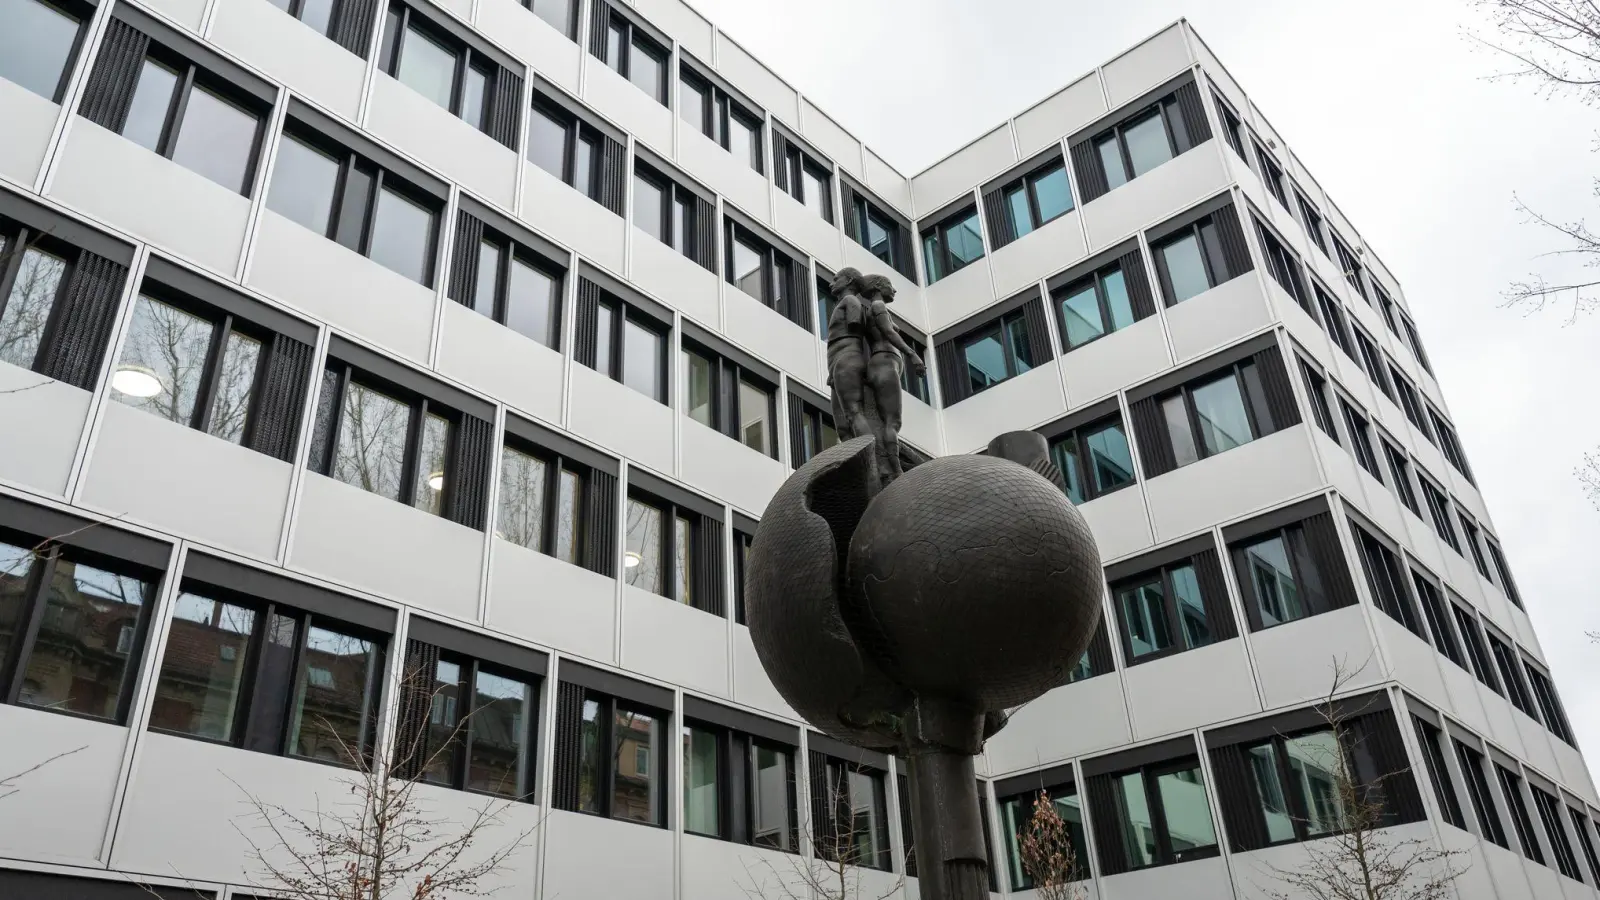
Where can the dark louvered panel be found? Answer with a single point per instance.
(707, 568)
(904, 262)
(586, 341)
(1214, 593)
(411, 750)
(85, 315)
(1038, 332)
(1091, 172)
(907, 839)
(285, 379)
(1281, 404)
(1137, 282)
(568, 748)
(505, 111)
(822, 813)
(600, 524)
(705, 233)
(1333, 569)
(847, 202)
(464, 259)
(1002, 230)
(1382, 765)
(116, 73)
(780, 161)
(1150, 432)
(1100, 661)
(470, 466)
(798, 451)
(611, 165)
(599, 23)
(1104, 816)
(797, 294)
(1235, 251)
(1236, 792)
(953, 382)
(1193, 110)
(352, 25)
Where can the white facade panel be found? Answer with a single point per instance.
(1064, 112)
(1146, 66)
(40, 456)
(29, 120)
(826, 135)
(808, 231)
(290, 51)
(887, 183)
(1209, 321)
(920, 424)
(1205, 879)
(552, 207)
(622, 419)
(756, 327)
(59, 811)
(727, 469)
(1120, 523)
(1289, 675)
(722, 172)
(676, 280)
(1040, 253)
(587, 856)
(1103, 366)
(956, 174)
(751, 686)
(687, 27)
(1190, 689)
(478, 351)
(674, 642)
(1162, 192)
(1021, 402)
(1257, 475)
(757, 81)
(540, 598)
(626, 104)
(428, 131)
(722, 870)
(552, 54)
(1070, 721)
(955, 296)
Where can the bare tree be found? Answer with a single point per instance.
(383, 841)
(8, 783)
(1360, 860)
(1048, 857)
(1589, 476)
(856, 839)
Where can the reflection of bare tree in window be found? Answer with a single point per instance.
(568, 540)
(27, 309)
(170, 346)
(633, 756)
(522, 486)
(852, 841)
(643, 562)
(231, 404)
(372, 442)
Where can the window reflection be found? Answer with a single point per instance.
(217, 139)
(372, 441)
(16, 565)
(1219, 408)
(634, 743)
(590, 771)
(642, 359)
(1185, 267)
(531, 302)
(770, 799)
(27, 308)
(431, 456)
(203, 668)
(230, 405)
(426, 66)
(501, 711)
(304, 181)
(443, 734)
(163, 361)
(146, 119)
(522, 492)
(36, 45)
(568, 541)
(88, 633)
(402, 236)
(333, 705)
(1272, 582)
(642, 562)
(755, 415)
(698, 380)
(700, 801)
(1016, 815)
(683, 549)
(1144, 610)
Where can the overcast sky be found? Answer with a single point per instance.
(1387, 104)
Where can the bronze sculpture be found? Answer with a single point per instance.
(866, 355)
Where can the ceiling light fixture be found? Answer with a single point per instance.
(136, 381)
(631, 560)
(436, 482)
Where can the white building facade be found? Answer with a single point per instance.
(342, 342)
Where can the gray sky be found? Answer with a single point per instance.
(1386, 102)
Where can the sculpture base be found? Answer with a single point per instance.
(947, 827)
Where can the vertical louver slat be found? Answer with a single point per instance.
(506, 108)
(411, 749)
(1377, 736)
(568, 748)
(600, 525)
(1193, 110)
(707, 574)
(953, 382)
(1235, 250)
(1033, 316)
(1137, 282)
(1236, 792)
(611, 179)
(85, 314)
(471, 460)
(352, 25)
(780, 161)
(1150, 433)
(586, 342)
(1214, 593)
(907, 839)
(1100, 660)
(822, 817)
(1091, 172)
(1333, 569)
(905, 263)
(599, 23)
(1103, 815)
(1281, 404)
(798, 293)
(705, 233)
(1002, 230)
(847, 203)
(116, 73)
(285, 379)
(798, 451)
(464, 260)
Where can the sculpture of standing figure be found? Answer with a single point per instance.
(888, 354)
(847, 356)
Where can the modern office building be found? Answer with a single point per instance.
(354, 354)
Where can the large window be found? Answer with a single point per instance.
(541, 502)
(1352, 268)
(1162, 612)
(1385, 579)
(1291, 572)
(1584, 829)
(757, 267)
(1094, 306)
(1517, 804)
(1555, 831)
(882, 234)
(38, 43)
(480, 725)
(852, 797)
(808, 180)
(1449, 443)
(952, 245)
(1510, 668)
(1216, 415)
(1272, 176)
(711, 111)
(1472, 537)
(1477, 651)
(1333, 320)
(1036, 199)
(674, 215)
(1296, 781)
(1400, 476)
(1317, 392)
(1483, 808)
(1016, 816)
(628, 346)
(346, 198)
(811, 430)
(1373, 361)
(1502, 571)
(728, 397)
(1194, 258)
(1142, 142)
(636, 56)
(511, 284)
(1232, 128)
(1410, 401)
(1312, 221)
(1283, 266)
(1154, 815)
(1544, 693)
(622, 760)
(567, 148)
(1439, 512)
(1436, 610)
(1430, 738)
(1360, 432)
(1414, 341)
(1000, 351)
(562, 15)
(738, 786)
(450, 71)
(673, 547)
(1094, 459)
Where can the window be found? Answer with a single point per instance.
(1096, 660)
(1415, 341)
(1477, 652)
(1016, 814)
(562, 15)
(1094, 459)
(1143, 141)
(1094, 306)
(1433, 608)
(1283, 573)
(479, 733)
(730, 398)
(1502, 571)
(1312, 220)
(1471, 536)
(1154, 816)
(1283, 266)
(1410, 401)
(1581, 826)
(1232, 128)
(1272, 175)
(1296, 784)
(1439, 511)
(673, 215)
(811, 430)
(999, 352)
(1352, 269)
(856, 804)
(368, 209)
(1333, 321)
(738, 787)
(636, 56)
(743, 537)
(1388, 586)
(1360, 439)
(1317, 392)
(622, 751)
(194, 118)
(882, 234)
(1438, 774)
(459, 77)
(1167, 610)
(628, 346)
(1208, 417)
(267, 677)
(542, 502)
(807, 179)
(952, 245)
(1511, 676)
(914, 383)
(1400, 476)
(672, 549)
(1191, 261)
(1036, 199)
(1544, 693)
(1555, 832)
(511, 284)
(1450, 444)
(1511, 790)
(62, 615)
(711, 111)
(576, 153)
(771, 276)
(1483, 808)
(38, 45)
(1373, 360)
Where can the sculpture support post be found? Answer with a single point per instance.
(945, 817)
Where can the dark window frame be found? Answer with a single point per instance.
(1179, 141)
(1232, 126)
(1554, 713)
(621, 313)
(1509, 664)
(671, 514)
(727, 375)
(1359, 427)
(1282, 264)
(1162, 575)
(460, 751)
(999, 327)
(1436, 610)
(1391, 594)
(864, 212)
(468, 59)
(735, 780)
(1028, 185)
(555, 464)
(797, 162)
(1439, 507)
(1204, 231)
(939, 234)
(673, 194)
(83, 12)
(1096, 279)
(1473, 536)
(1294, 800)
(606, 790)
(1311, 220)
(1428, 737)
(1372, 360)
(1477, 652)
(638, 40)
(1334, 320)
(1502, 570)
(1350, 265)
(1090, 487)
(571, 33)
(835, 778)
(1316, 385)
(1517, 804)
(1555, 831)
(1400, 476)
(1232, 370)
(1149, 775)
(776, 265)
(1272, 175)
(720, 112)
(1011, 841)
(512, 249)
(1483, 806)
(575, 130)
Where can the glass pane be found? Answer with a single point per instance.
(1314, 771)
(522, 487)
(1021, 350)
(641, 559)
(483, 294)
(152, 100)
(1064, 454)
(1053, 194)
(438, 755)
(427, 67)
(501, 712)
(1111, 160)
(531, 302)
(1144, 612)
(230, 407)
(815, 189)
(473, 96)
(1138, 827)
(966, 241)
(35, 45)
(700, 805)
(1021, 214)
(634, 754)
(755, 410)
(547, 143)
(1110, 459)
(333, 706)
(747, 269)
(1186, 271)
(692, 105)
(1272, 582)
(304, 180)
(1188, 814)
(1115, 289)
(697, 380)
(1147, 143)
(1176, 413)
(878, 239)
(27, 310)
(933, 256)
(649, 209)
(557, 12)
(217, 139)
(569, 513)
(681, 225)
(605, 331)
(682, 567)
(986, 361)
(1219, 407)
(402, 236)
(867, 816)
(770, 799)
(372, 441)
(430, 465)
(583, 156)
(87, 635)
(1191, 607)
(317, 13)
(642, 351)
(1080, 311)
(163, 361)
(1269, 788)
(647, 70)
(743, 142)
(16, 564)
(591, 778)
(204, 666)
(351, 226)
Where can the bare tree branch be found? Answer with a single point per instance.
(841, 849)
(8, 784)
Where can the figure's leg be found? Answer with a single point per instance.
(885, 378)
(849, 388)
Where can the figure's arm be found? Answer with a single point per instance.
(885, 324)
